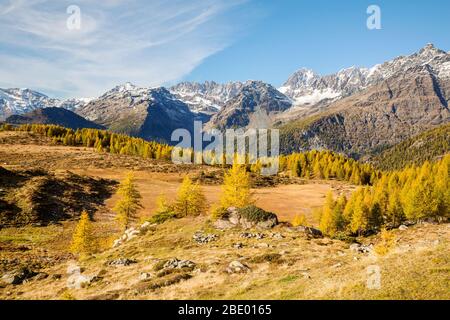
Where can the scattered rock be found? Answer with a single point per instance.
(308, 231)
(306, 275)
(337, 265)
(248, 235)
(262, 245)
(403, 227)
(117, 243)
(56, 276)
(132, 233)
(341, 253)
(146, 226)
(144, 276)
(237, 267)
(73, 269)
(18, 276)
(178, 264)
(238, 245)
(41, 276)
(361, 248)
(121, 262)
(202, 238)
(77, 281)
(276, 235)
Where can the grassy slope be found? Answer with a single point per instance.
(417, 268)
(416, 150)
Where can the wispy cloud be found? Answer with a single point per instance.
(150, 43)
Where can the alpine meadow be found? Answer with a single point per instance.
(196, 183)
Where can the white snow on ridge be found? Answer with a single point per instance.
(316, 96)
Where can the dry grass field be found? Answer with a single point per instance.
(283, 264)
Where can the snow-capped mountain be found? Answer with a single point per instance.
(150, 113)
(254, 106)
(308, 88)
(19, 101)
(396, 100)
(207, 97)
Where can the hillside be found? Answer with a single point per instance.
(37, 197)
(427, 146)
(53, 115)
(282, 262)
(381, 116)
(151, 114)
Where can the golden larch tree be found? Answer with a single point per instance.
(190, 199)
(83, 237)
(236, 188)
(327, 225)
(130, 201)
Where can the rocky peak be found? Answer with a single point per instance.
(208, 97)
(307, 88)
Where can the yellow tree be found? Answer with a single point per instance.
(299, 220)
(82, 239)
(338, 213)
(327, 225)
(190, 199)
(236, 188)
(360, 217)
(442, 187)
(419, 201)
(130, 201)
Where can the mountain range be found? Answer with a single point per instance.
(355, 111)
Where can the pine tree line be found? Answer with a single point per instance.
(329, 165)
(415, 194)
(101, 140)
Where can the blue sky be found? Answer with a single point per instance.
(161, 42)
(326, 36)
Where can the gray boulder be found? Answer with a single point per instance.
(18, 276)
(237, 267)
(121, 262)
(247, 218)
(308, 231)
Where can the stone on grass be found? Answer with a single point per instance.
(247, 218)
(237, 267)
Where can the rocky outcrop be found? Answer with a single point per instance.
(18, 276)
(361, 248)
(133, 232)
(237, 267)
(202, 238)
(255, 106)
(247, 218)
(309, 232)
(206, 97)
